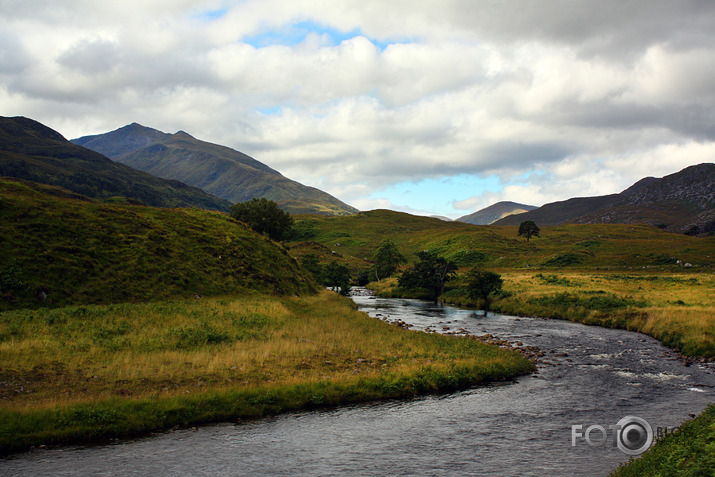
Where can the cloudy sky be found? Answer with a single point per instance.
(426, 106)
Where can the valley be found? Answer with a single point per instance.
(131, 304)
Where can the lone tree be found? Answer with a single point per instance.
(387, 258)
(431, 273)
(528, 229)
(337, 276)
(482, 284)
(264, 216)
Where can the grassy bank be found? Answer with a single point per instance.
(688, 451)
(676, 309)
(82, 373)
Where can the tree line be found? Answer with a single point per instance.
(426, 278)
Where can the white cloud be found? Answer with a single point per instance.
(556, 98)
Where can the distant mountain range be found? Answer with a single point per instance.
(33, 152)
(683, 202)
(494, 212)
(218, 170)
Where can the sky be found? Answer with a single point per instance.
(433, 107)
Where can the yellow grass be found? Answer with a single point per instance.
(676, 308)
(132, 350)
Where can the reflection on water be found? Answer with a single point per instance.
(589, 376)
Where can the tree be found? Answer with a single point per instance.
(387, 258)
(482, 284)
(264, 216)
(431, 272)
(528, 229)
(311, 263)
(337, 277)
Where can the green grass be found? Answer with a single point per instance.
(690, 451)
(89, 372)
(80, 251)
(606, 246)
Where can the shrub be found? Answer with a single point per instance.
(563, 260)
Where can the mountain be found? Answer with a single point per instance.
(561, 212)
(218, 170)
(33, 152)
(682, 202)
(61, 249)
(494, 212)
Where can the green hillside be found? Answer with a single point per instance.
(216, 169)
(59, 248)
(604, 246)
(34, 152)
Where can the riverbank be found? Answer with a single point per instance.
(89, 373)
(689, 450)
(678, 309)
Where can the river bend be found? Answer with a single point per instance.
(589, 375)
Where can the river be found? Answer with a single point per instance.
(589, 376)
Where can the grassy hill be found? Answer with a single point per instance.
(604, 246)
(216, 169)
(34, 152)
(59, 248)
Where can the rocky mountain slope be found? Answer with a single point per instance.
(31, 151)
(216, 169)
(682, 202)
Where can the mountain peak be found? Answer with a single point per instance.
(183, 135)
(494, 212)
(122, 141)
(218, 170)
(39, 154)
(19, 127)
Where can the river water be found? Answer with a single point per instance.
(589, 376)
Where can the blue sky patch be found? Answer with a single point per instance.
(270, 110)
(439, 194)
(211, 15)
(296, 33)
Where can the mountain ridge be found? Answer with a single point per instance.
(31, 151)
(681, 202)
(216, 169)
